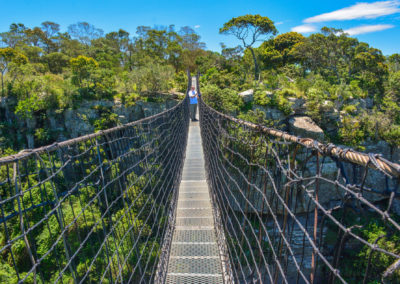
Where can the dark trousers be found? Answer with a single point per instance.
(193, 109)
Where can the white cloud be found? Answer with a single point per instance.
(197, 26)
(359, 11)
(279, 23)
(304, 29)
(367, 29)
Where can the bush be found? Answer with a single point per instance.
(315, 100)
(153, 77)
(287, 92)
(279, 101)
(261, 97)
(223, 100)
(180, 82)
(350, 109)
(351, 132)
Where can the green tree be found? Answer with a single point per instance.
(249, 29)
(394, 62)
(7, 56)
(82, 68)
(16, 36)
(84, 32)
(56, 62)
(285, 44)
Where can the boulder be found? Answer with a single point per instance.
(247, 95)
(369, 103)
(305, 127)
(297, 105)
(360, 104)
(270, 112)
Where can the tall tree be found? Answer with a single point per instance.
(15, 36)
(84, 32)
(51, 31)
(7, 56)
(249, 29)
(285, 44)
(82, 68)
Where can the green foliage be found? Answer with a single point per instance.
(316, 97)
(285, 44)
(221, 78)
(392, 134)
(350, 109)
(224, 100)
(106, 121)
(8, 57)
(25, 108)
(180, 80)
(153, 77)
(257, 117)
(82, 69)
(262, 97)
(239, 25)
(351, 132)
(248, 29)
(275, 99)
(43, 136)
(354, 261)
(56, 62)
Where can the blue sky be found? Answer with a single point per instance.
(375, 22)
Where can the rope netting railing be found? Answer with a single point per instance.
(293, 210)
(95, 208)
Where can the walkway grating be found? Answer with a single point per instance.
(194, 254)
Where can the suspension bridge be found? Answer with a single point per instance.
(165, 200)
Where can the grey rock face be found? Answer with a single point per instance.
(270, 112)
(297, 105)
(304, 126)
(369, 102)
(247, 95)
(127, 114)
(77, 122)
(30, 125)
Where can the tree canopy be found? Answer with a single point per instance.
(249, 29)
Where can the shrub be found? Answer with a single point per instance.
(224, 100)
(180, 82)
(351, 132)
(153, 77)
(287, 92)
(261, 98)
(350, 109)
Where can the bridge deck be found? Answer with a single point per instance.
(194, 254)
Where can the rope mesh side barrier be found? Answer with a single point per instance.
(294, 210)
(92, 209)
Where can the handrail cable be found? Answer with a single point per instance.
(296, 210)
(94, 208)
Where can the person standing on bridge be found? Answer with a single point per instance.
(193, 103)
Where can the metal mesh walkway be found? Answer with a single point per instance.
(194, 254)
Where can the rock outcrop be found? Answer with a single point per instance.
(271, 113)
(247, 95)
(298, 105)
(304, 126)
(78, 121)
